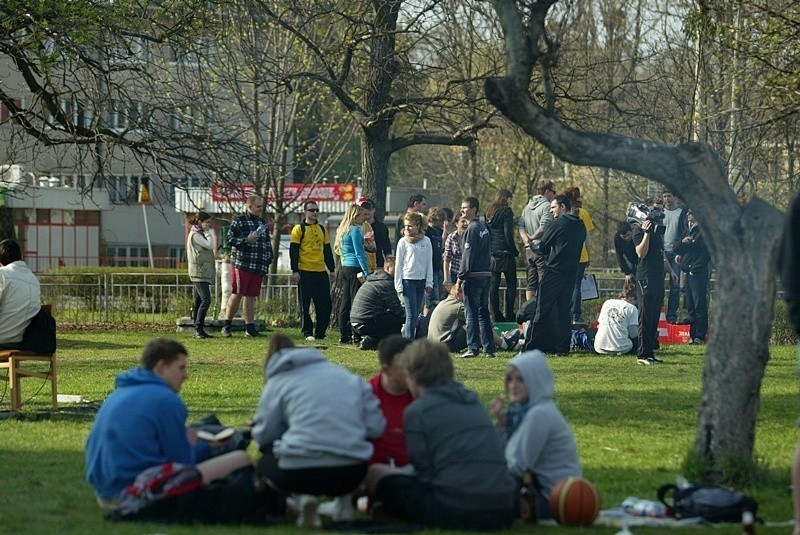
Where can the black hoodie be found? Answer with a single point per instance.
(562, 243)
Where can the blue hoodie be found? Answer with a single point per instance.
(140, 425)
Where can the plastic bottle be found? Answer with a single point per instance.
(649, 508)
(748, 523)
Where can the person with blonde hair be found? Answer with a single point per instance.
(413, 275)
(313, 425)
(349, 245)
(201, 248)
(460, 479)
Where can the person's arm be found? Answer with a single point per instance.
(358, 244)
(548, 238)
(470, 242)
(171, 431)
(389, 301)
(428, 266)
(508, 230)
(633, 324)
(327, 253)
(668, 269)
(268, 422)
(530, 439)
(236, 234)
(643, 247)
(399, 262)
(618, 249)
(294, 250)
(371, 413)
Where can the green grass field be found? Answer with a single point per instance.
(634, 424)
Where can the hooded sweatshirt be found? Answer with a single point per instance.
(140, 425)
(314, 413)
(455, 449)
(543, 442)
(535, 214)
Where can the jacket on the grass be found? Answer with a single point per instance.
(140, 425)
(315, 413)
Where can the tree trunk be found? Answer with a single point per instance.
(743, 241)
(375, 154)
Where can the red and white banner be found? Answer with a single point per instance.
(291, 192)
(226, 193)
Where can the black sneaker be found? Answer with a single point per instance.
(251, 333)
(226, 331)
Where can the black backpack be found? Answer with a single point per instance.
(711, 502)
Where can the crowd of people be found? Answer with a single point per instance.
(438, 260)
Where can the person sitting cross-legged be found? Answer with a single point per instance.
(618, 324)
(538, 438)
(459, 478)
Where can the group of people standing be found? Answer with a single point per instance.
(418, 443)
(668, 241)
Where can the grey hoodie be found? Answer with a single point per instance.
(543, 442)
(454, 448)
(315, 413)
(535, 214)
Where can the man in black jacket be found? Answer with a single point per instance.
(626, 252)
(692, 255)
(473, 279)
(649, 242)
(376, 311)
(551, 329)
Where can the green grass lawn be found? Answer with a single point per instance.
(634, 424)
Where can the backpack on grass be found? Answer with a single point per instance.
(711, 502)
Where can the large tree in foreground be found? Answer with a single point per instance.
(742, 237)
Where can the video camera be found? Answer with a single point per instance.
(638, 213)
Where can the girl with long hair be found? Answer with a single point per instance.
(349, 245)
(500, 221)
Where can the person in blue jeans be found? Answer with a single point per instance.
(413, 272)
(474, 277)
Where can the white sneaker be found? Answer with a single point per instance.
(307, 516)
(310, 338)
(340, 508)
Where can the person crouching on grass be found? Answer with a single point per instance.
(459, 478)
(313, 424)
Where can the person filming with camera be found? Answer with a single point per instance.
(649, 242)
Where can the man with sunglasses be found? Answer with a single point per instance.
(312, 264)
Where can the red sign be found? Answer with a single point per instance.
(291, 192)
(227, 193)
(317, 192)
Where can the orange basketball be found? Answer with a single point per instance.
(574, 501)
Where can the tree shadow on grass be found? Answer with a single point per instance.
(67, 343)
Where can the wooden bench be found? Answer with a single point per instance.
(21, 364)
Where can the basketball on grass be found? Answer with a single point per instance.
(574, 501)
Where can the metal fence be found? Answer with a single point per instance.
(161, 298)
